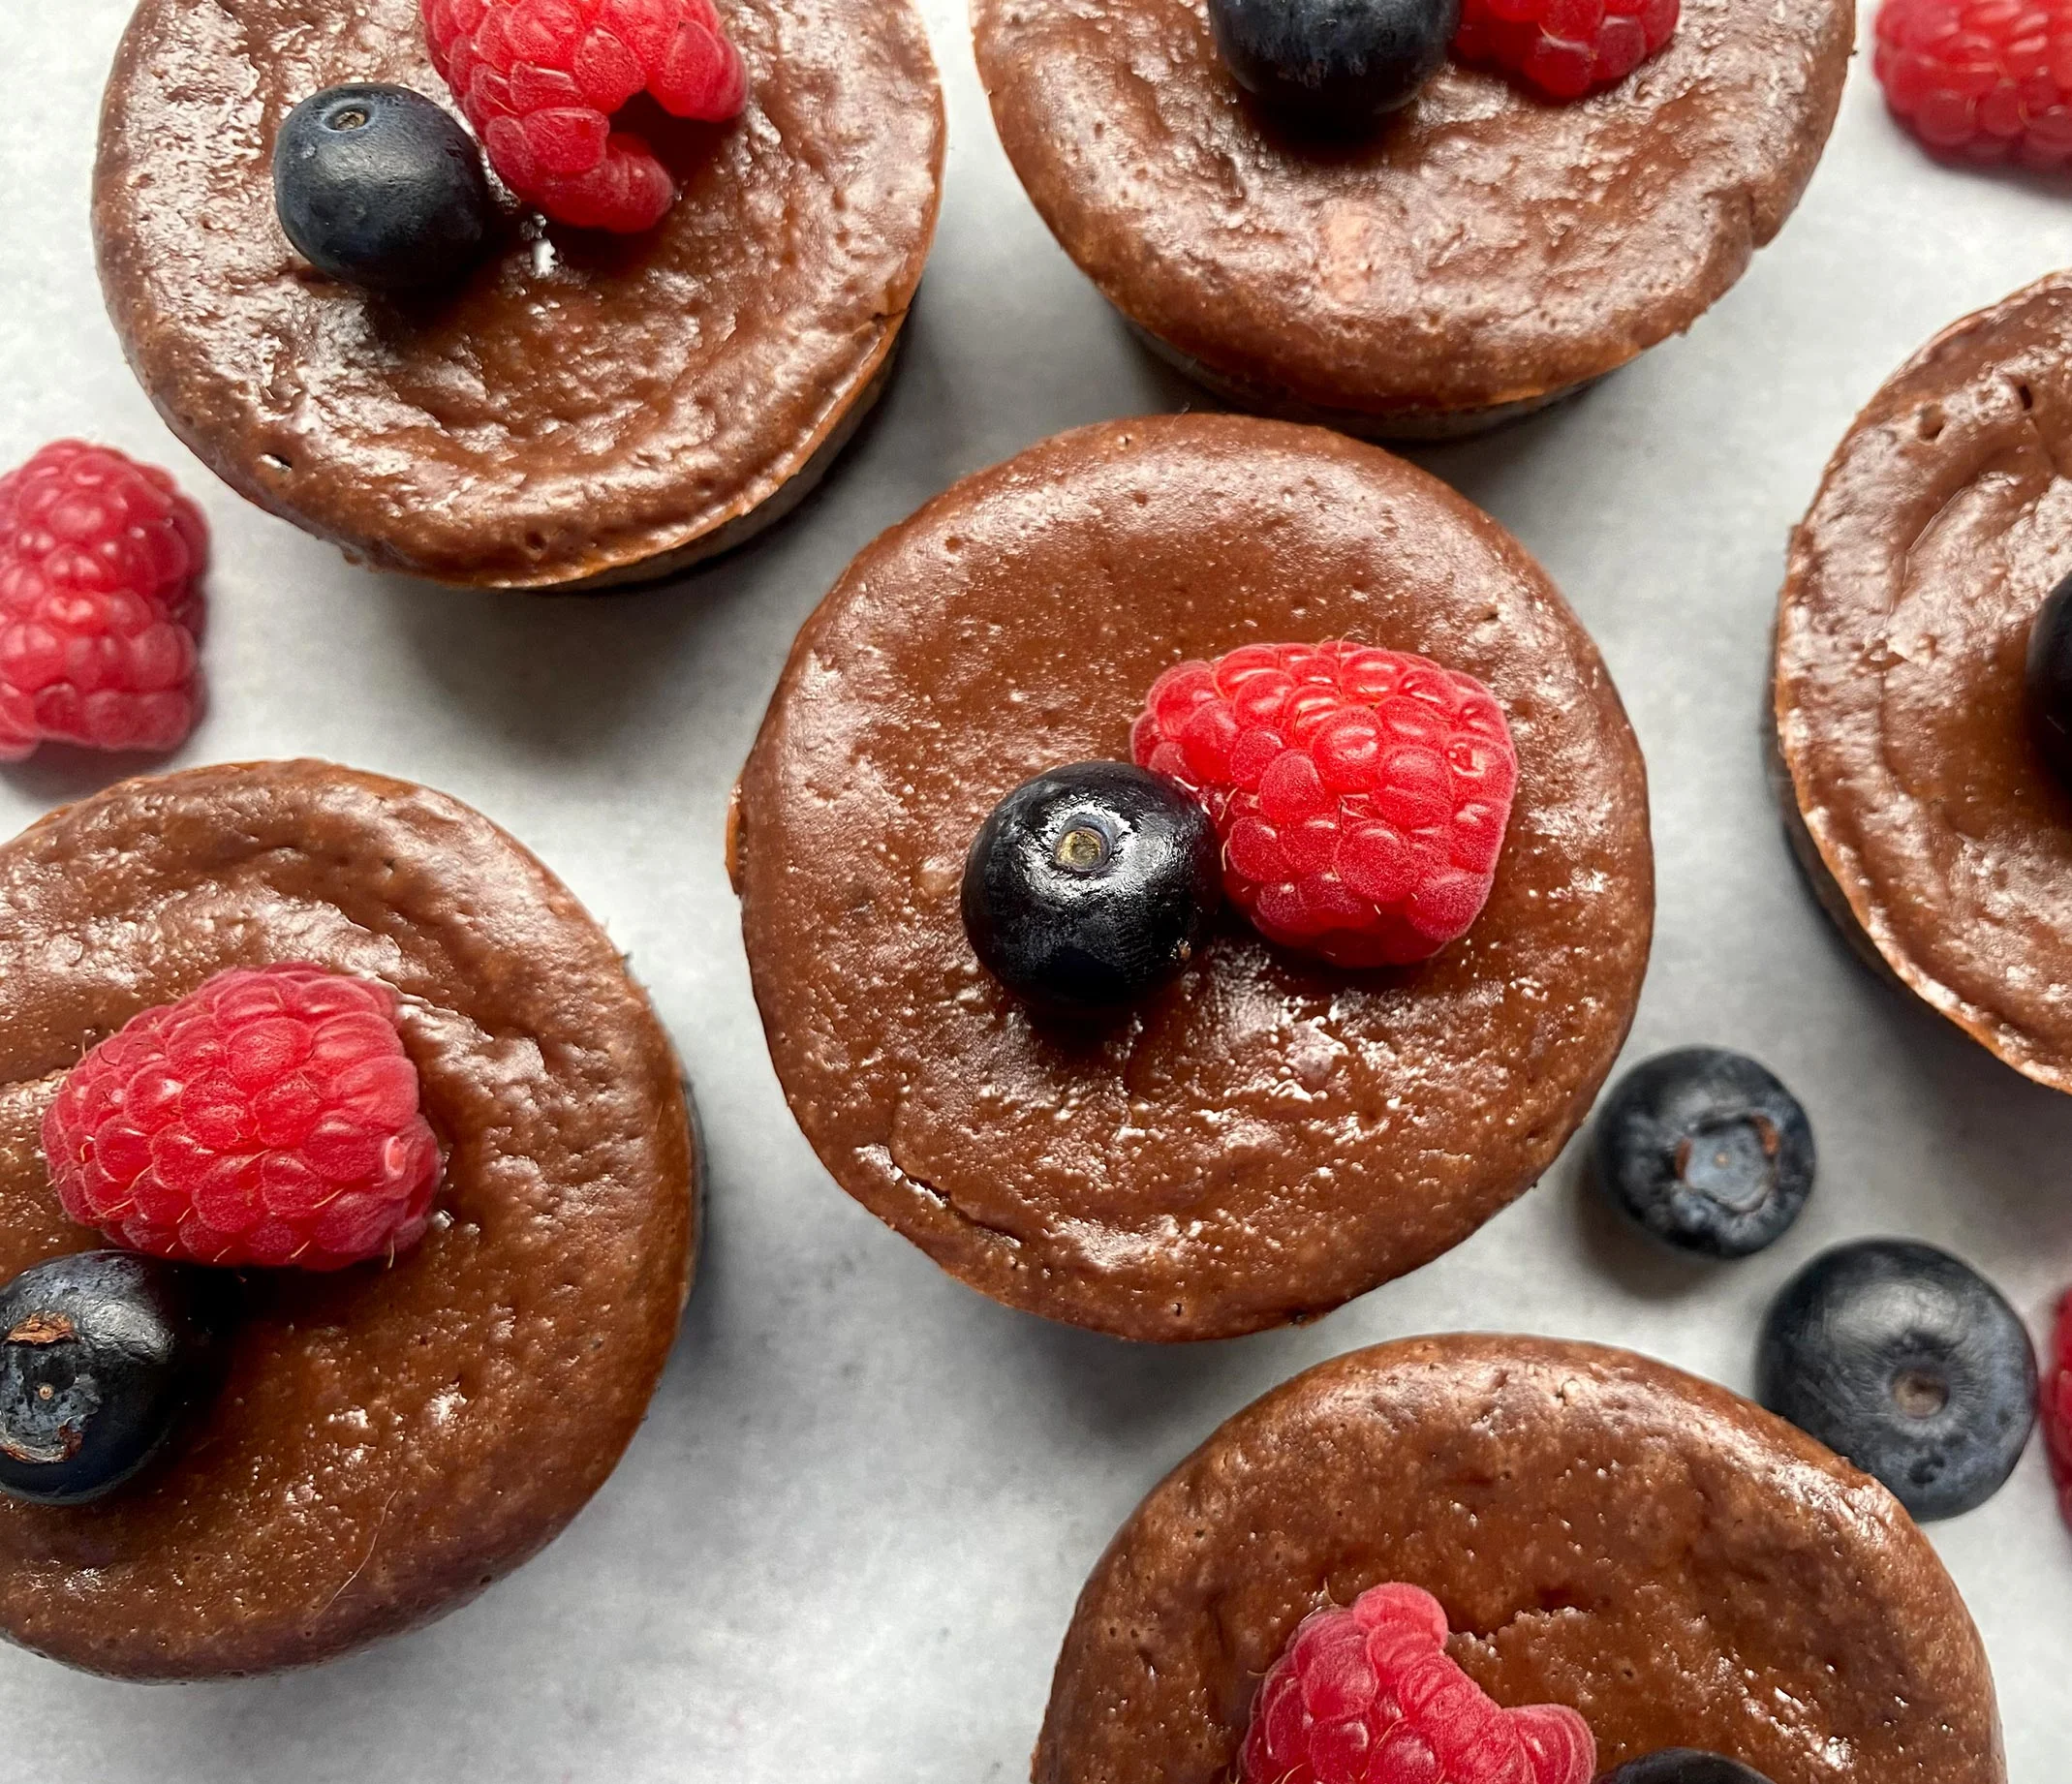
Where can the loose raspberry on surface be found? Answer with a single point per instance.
(101, 561)
(1361, 794)
(2056, 1410)
(540, 80)
(1983, 80)
(1564, 47)
(1369, 1696)
(270, 1117)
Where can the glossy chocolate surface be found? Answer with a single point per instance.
(583, 404)
(390, 1438)
(1483, 249)
(1944, 520)
(1264, 1137)
(1603, 1530)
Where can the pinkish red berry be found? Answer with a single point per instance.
(1361, 794)
(1369, 1696)
(2057, 1406)
(1981, 81)
(540, 79)
(1564, 47)
(270, 1117)
(101, 561)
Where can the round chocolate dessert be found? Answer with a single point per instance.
(1479, 254)
(1266, 1135)
(391, 1437)
(584, 407)
(1920, 802)
(1602, 1530)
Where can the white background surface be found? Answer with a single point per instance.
(846, 1543)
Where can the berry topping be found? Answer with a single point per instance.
(1684, 1765)
(378, 185)
(1089, 885)
(1333, 65)
(1370, 1696)
(2057, 1406)
(1564, 47)
(1706, 1150)
(101, 1353)
(1361, 794)
(2050, 679)
(1909, 1364)
(268, 1117)
(540, 80)
(1981, 80)
(101, 561)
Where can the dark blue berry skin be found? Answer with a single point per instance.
(2050, 679)
(1908, 1362)
(379, 187)
(1333, 66)
(1684, 1765)
(1706, 1150)
(101, 1354)
(1089, 885)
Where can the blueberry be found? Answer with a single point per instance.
(379, 187)
(2050, 679)
(1333, 65)
(1706, 1150)
(101, 1353)
(1684, 1765)
(1089, 885)
(1908, 1362)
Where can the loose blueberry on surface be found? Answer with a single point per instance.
(1706, 1150)
(2050, 679)
(1088, 885)
(101, 1353)
(1909, 1364)
(1684, 1765)
(1333, 65)
(379, 187)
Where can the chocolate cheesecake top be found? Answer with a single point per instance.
(1944, 519)
(1266, 1136)
(391, 1437)
(1483, 247)
(1604, 1532)
(582, 403)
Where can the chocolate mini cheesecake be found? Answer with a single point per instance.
(1266, 1135)
(1925, 813)
(1474, 256)
(1602, 1531)
(391, 1437)
(584, 408)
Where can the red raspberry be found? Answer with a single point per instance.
(1361, 794)
(268, 1117)
(101, 560)
(1564, 47)
(1369, 1696)
(540, 80)
(1981, 80)
(2058, 1408)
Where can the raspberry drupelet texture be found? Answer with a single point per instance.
(540, 80)
(101, 561)
(2057, 1409)
(1983, 80)
(1564, 47)
(270, 1117)
(1369, 1696)
(1361, 794)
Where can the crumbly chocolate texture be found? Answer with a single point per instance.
(1267, 1136)
(1944, 519)
(1483, 250)
(584, 407)
(1603, 1530)
(392, 1437)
